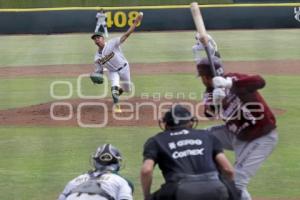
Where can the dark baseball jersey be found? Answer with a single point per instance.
(244, 110)
(185, 151)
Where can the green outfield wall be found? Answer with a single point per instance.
(93, 3)
(156, 18)
(266, 1)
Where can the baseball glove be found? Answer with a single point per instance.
(96, 77)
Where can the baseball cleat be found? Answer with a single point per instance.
(117, 108)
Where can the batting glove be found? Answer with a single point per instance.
(221, 82)
(218, 96)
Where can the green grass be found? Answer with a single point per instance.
(45, 159)
(143, 47)
(115, 3)
(20, 92)
(279, 177)
(49, 157)
(36, 162)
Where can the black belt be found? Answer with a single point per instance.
(194, 177)
(119, 69)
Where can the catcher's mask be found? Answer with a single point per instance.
(107, 158)
(177, 117)
(203, 67)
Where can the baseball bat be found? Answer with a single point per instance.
(199, 23)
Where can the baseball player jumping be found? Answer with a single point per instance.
(101, 21)
(198, 48)
(110, 56)
(250, 126)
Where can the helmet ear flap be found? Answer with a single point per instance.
(220, 71)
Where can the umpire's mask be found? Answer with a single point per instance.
(177, 117)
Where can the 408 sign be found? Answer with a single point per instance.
(120, 19)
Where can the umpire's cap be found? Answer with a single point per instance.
(96, 34)
(177, 116)
(203, 67)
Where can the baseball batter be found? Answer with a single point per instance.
(111, 57)
(101, 21)
(250, 126)
(198, 47)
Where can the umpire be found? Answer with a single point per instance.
(188, 158)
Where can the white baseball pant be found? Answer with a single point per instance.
(121, 78)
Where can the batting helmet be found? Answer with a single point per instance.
(177, 116)
(107, 157)
(204, 69)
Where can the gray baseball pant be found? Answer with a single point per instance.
(249, 155)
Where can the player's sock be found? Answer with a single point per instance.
(120, 91)
(115, 94)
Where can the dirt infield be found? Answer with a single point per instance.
(98, 113)
(137, 112)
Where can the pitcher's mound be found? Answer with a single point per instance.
(98, 113)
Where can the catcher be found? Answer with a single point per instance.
(110, 56)
(102, 183)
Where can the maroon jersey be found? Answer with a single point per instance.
(244, 110)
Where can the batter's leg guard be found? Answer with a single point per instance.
(115, 94)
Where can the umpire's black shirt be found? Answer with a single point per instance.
(184, 151)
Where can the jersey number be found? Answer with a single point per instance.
(120, 19)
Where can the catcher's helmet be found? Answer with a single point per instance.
(203, 67)
(107, 157)
(177, 116)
